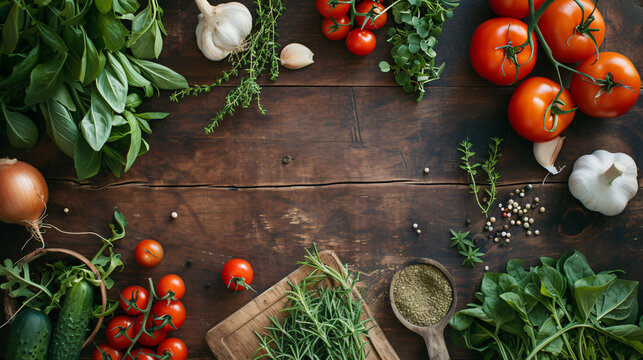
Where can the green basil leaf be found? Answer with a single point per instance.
(161, 76)
(119, 133)
(135, 140)
(142, 23)
(62, 95)
(77, 18)
(10, 32)
(61, 126)
(104, 6)
(144, 149)
(112, 31)
(20, 72)
(114, 160)
(42, 3)
(97, 123)
(118, 120)
(134, 77)
(145, 46)
(51, 38)
(86, 160)
(153, 115)
(144, 125)
(45, 80)
(77, 60)
(125, 6)
(21, 131)
(109, 85)
(95, 61)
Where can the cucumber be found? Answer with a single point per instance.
(72, 325)
(29, 336)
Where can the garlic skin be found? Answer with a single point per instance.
(222, 28)
(604, 181)
(547, 152)
(296, 56)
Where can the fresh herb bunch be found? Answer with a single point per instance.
(419, 23)
(466, 247)
(257, 55)
(488, 166)
(323, 322)
(65, 61)
(561, 309)
(45, 288)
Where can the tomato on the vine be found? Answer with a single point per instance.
(134, 295)
(360, 42)
(326, 10)
(513, 8)
(148, 340)
(102, 352)
(619, 91)
(334, 31)
(143, 354)
(374, 7)
(174, 347)
(173, 283)
(116, 330)
(567, 28)
(237, 274)
(528, 105)
(174, 309)
(148, 253)
(493, 45)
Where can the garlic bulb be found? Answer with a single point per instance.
(221, 28)
(604, 181)
(296, 56)
(547, 152)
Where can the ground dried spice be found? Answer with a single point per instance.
(422, 294)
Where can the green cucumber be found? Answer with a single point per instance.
(29, 336)
(72, 325)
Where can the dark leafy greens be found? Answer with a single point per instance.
(561, 309)
(65, 61)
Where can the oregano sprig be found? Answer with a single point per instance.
(488, 166)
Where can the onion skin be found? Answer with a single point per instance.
(23, 193)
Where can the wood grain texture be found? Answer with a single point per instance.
(234, 338)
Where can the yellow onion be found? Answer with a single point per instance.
(23, 195)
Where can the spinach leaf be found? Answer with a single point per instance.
(125, 6)
(112, 31)
(552, 283)
(617, 302)
(86, 160)
(51, 38)
(61, 126)
(112, 88)
(22, 132)
(97, 122)
(149, 44)
(10, 32)
(45, 80)
(134, 77)
(576, 267)
(161, 76)
(95, 61)
(588, 290)
(62, 95)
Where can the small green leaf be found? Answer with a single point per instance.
(96, 125)
(45, 80)
(21, 131)
(61, 126)
(384, 66)
(86, 160)
(10, 32)
(104, 6)
(135, 140)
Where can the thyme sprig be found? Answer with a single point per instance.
(466, 247)
(488, 166)
(258, 54)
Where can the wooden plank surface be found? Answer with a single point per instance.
(355, 184)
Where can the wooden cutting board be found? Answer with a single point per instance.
(234, 339)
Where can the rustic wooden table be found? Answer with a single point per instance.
(355, 183)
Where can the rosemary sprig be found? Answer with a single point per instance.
(258, 54)
(488, 166)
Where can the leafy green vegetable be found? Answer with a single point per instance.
(558, 310)
(466, 248)
(419, 23)
(488, 166)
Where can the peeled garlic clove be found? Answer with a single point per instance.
(296, 56)
(547, 152)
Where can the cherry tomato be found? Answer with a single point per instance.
(609, 100)
(174, 347)
(148, 253)
(513, 8)
(115, 326)
(326, 10)
(360, 42)
(147, 340)
(134, 295)
(488, 56)
(104, 350)
(328, 25)
(528, 105)
(174, 309)
(172, 283)
(364, 7)
(237, 274)
(143, 354)
(566, 30)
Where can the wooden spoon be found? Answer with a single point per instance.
(433, 335)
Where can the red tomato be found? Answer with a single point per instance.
(148, 253)
(174, 347)
(147, 340)
(326, 10)
(328, 25)
(116, 330)
(566, 30)
(378, 11)
(174, 309)
(172, 283)
(143, 354)
(609, 100)
(528, 105)
(488, 57)
(104, 350)
(237, 274)
(134, 295)
(513, 8)
(360, 42)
